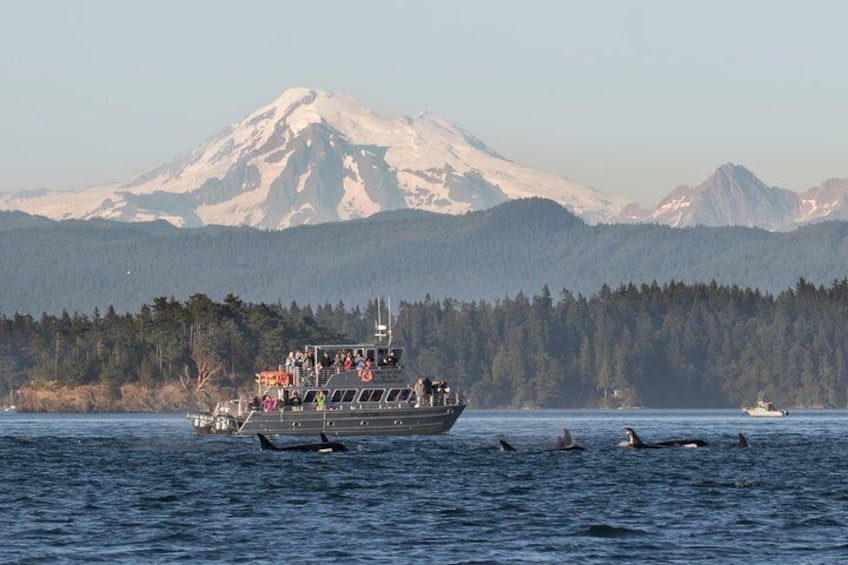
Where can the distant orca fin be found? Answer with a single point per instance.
(565, 439)
(743, 442)
(505, 446)
(265, 443)
(324, 438)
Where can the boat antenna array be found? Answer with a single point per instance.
(384, 331)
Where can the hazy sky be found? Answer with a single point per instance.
(631, 98)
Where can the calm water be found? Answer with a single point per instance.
(109, 488)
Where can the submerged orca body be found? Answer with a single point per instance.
(564, 443)
(635, 442)
(325, 446)
(743, 442)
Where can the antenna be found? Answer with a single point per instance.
(381, 327)
(390, 320)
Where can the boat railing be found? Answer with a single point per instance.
(233, 407)
(242, 407)
(438, 399)
(320, 376)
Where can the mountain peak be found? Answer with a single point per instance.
(729, 174)
(314, 156)
(732, 195)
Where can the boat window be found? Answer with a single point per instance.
(371, 395)
(398, 394)
(341, 395)
(310, 396)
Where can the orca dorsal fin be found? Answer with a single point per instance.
(324, 438)
(633, 438)
(505, 446)
(265, 443)
(565, 439)
(743, 442)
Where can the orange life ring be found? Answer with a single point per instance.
(365, 375)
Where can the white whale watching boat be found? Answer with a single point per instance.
(765, 409)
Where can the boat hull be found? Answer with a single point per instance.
(389, 421)
(763, 413)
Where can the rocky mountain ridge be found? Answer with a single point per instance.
(734, 196)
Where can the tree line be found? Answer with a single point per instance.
(670, 345)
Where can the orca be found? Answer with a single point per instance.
(634, 441)
(325, 446)
(505, 446)
(565, 443)
(743, 442)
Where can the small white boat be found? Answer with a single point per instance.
(764, 409)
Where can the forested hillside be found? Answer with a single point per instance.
(519, 246)
(671, 345)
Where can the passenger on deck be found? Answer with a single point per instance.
(440, 387)
(256, 404)
(295, 399)
(358, 360)
(298, 366)
(419, 392)
(424, 392)
(268, 403)
(348, 361)
(320, 400)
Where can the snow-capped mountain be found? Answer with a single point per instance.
(826, 202)
(734, 196)
(314, 156)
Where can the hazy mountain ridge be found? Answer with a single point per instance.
(517, 246)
